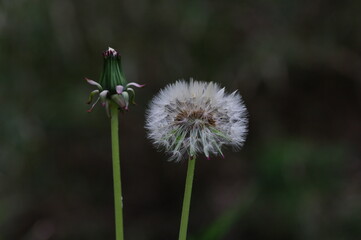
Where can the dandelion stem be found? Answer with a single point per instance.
(187, 199)
(118, 204)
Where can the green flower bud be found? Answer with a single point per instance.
(112, 85)
(112, 75)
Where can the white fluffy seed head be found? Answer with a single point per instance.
(189, 118)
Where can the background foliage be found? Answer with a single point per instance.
(296, 63)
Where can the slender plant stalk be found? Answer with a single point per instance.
(187, 199)
(118, 204)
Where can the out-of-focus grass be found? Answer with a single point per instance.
(221, 226)
(300, 192)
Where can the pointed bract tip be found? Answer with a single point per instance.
(136, 85)
(94, 83)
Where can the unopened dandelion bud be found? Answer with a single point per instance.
(112, 86)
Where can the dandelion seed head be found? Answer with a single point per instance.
(190, 118)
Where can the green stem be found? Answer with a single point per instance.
(118, 204)
(187, 199)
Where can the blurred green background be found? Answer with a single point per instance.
(297, 65)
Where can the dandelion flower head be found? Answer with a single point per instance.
(190, 118)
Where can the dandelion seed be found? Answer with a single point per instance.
(190, 118)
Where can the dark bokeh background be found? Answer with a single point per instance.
(297, 65)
